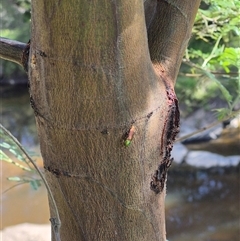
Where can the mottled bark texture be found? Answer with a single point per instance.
(102, 88)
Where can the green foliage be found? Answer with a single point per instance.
(34, 183)
(11, 152)
(15, 24)
(228, 57)
(11, 143)
(212, 61)
(25, 5)
(217, 18)
(12, 149)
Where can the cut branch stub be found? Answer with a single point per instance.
(12, 50)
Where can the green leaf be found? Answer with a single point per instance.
(35, 184)
(230, 57)
(5, 157)
(5, 145)
(222, 113)
(15, 179)
(13, 148)
(17, 154)
(224, 91)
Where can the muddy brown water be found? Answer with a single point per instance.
(201, 204)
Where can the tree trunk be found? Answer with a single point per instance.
(101, 86)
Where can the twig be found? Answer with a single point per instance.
(8, 189)
(212, 54)
(56, 224)
(180, 139)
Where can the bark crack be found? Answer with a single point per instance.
(104, 128)
(132, 207)
(62, 173)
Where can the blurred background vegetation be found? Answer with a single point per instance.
(211, 63)
(210, 69)
(15, 24)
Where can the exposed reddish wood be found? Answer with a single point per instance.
(170, 131)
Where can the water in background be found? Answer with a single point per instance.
(201, 204)
(21, 203)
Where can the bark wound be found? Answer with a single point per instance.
(57, 173)
(128, 136)
(170, 131)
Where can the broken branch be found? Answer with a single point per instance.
(12, 50)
